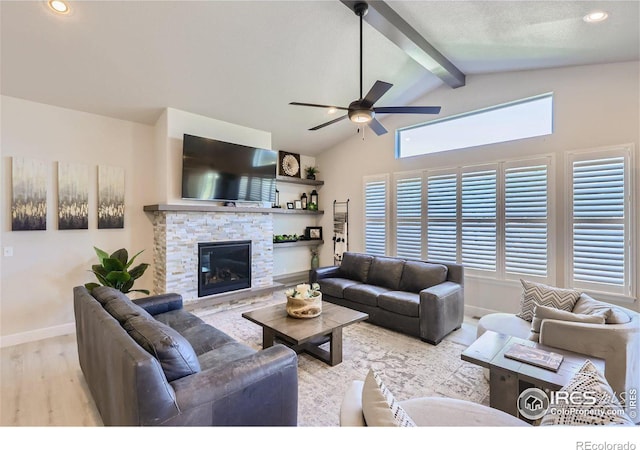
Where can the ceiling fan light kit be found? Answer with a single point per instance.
(362, 111)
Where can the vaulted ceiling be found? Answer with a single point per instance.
(244, 61)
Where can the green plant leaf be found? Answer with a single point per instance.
(144, 291)
(97, 268)
(112, 264)
(102, 279)
(101, 254)
(118, 276)
(121, 255)
(91, 286)
(138, 270)
(127, 286)
(132, 259)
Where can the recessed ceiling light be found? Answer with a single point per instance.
(59, 6)
(332, 111)
(595, 16)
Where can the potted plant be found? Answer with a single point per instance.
(113, 271)
(311, 172)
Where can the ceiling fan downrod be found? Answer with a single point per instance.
(361, 10)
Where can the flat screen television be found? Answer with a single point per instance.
(223, 171)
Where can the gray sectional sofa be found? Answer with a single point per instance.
(150, 362)
(419, 298)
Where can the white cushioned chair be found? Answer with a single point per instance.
(617, 343)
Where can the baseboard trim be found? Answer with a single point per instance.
(37, 335)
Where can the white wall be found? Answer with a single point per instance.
(36, 296)
(594, 106)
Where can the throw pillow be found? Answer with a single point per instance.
(544, 312)
(590, 401)
(171, 349)
(540, 294)
(379, 406)
(588, 305)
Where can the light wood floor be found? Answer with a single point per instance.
(42, 385)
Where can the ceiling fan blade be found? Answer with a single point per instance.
(407, 110)
(328, 123)
(377, 127)
(318, 106)
(377, 90)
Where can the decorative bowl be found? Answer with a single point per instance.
(304, 308)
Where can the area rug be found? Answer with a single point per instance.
(410, 368)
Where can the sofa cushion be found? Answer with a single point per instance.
(400, 302)
(379, 406)
(418, 275)
(204, 338)
(219, 357)
(355, 266)
(175, 354)
(544, 312)
(118, 304)
(600, 407)
(386, 272)
(179, 319)
(366, 294)
(335, 286)
(588, 305)
(540, 294)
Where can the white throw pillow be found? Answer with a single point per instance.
(593, 402)
(379, 406)
(540, 294)
(541, 313)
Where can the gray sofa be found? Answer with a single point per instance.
(150, 362)
(418, 298)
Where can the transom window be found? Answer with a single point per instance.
(521, 119)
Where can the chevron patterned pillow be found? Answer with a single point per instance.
(540, 294)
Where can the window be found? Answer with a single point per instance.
(479, 219)
(491, 218)
(442, 223)
(409, 216)
(375, 204)
(601, 224)
(521, 119)
(526, 228)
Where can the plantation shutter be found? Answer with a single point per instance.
(409, 217)
(375, 234)
(442, 218)
(526, 226)
(479, 220)
(599, 211)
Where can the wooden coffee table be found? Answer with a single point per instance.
(508, 377)
(306, 335)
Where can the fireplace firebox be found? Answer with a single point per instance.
(223, 267)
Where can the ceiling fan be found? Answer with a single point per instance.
(362, 111)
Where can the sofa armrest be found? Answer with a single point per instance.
(441, 311)
(617, 344)
(261, 389)
(157, 304)
(323, 272)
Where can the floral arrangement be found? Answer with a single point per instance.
(304, 291)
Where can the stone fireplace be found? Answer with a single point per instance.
(179, 229)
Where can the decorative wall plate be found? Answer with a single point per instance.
(289, 164)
